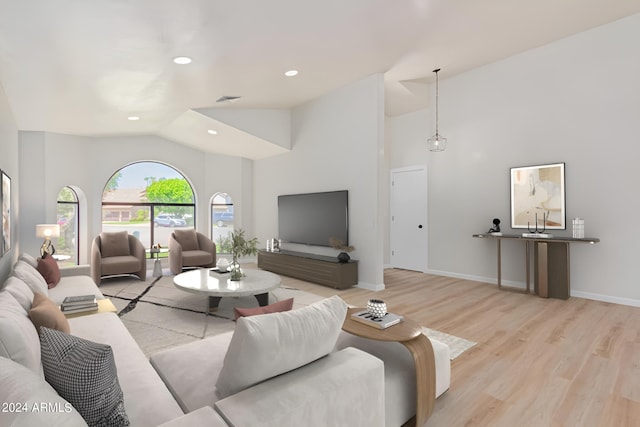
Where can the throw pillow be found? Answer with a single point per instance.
(48, 268)
(187, 238)
(30, 401)
(269, 345)
(18, 338)
(45, 313)
(114, 244)
(84, 373)
(31, 277)
(276, 307)
(20, 291)
(29, 259)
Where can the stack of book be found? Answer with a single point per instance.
(383, 322)
(79, 303)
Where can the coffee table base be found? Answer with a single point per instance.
(214, 302)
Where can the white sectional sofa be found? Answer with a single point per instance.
(317, 386)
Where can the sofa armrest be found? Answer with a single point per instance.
(342, 388)
(175, 255)
(203, 417)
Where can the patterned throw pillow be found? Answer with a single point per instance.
(84, 373)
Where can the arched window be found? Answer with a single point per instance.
(148, 200)
(221, 221)
(67, 216)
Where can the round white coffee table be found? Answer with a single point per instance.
(217, 286)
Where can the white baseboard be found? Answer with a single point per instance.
(370, 286)
(606, 298)
(522, 285)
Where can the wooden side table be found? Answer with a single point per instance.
(409, 333)
(104, 306)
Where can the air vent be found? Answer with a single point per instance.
(228, 98)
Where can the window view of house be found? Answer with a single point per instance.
(148, 200)
(221, 222)
(67, 218)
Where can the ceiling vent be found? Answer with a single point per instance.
(228, 99)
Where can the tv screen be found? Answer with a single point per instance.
(314, 218)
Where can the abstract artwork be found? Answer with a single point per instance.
(538, 197)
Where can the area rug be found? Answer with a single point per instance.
(160, 316)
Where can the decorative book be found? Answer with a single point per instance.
(80, 308)
(79, 300)
(383, 322)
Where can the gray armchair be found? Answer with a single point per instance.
(188, 248)
(115, 254)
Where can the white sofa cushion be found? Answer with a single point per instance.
(31, 277)
(18, 337)
(271, 344)
(147, 400)
(20, 291)
(33, 262)
(184, 382)
(72, 286)
(28, 392)
(85, 374)
(345, 388)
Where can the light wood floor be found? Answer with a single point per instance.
(538, 362)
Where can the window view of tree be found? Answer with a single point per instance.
(148, 200)
(222, 222)
(67, 217)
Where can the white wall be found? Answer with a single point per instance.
(573, 101)
(9, 164)
(88, 163)
(337, 144)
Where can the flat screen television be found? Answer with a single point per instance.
(314, 218)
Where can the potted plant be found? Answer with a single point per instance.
(240, 246)
(339, 245)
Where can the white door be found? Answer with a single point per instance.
(408, 214)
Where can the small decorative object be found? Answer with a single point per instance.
(223, 265)
(496, 226)
(240, 246)
(578, 228)
(377, 307)
(275, 245)
(337, 244)
(47, 231)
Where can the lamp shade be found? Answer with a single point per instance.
(47, 230)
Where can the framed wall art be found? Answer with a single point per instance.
(538, 197)
(5, 198)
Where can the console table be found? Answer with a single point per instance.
(321, 269)
(551, 262)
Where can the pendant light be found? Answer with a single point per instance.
(437, 142)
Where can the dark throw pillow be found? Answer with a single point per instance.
(48, 268)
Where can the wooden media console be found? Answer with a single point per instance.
(321, 269)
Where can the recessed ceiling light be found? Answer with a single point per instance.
(212, 132)
(291, 73)
(133, 118)
(182, 60)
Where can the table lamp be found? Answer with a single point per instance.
(47, 231)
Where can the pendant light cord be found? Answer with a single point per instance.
(436, 71)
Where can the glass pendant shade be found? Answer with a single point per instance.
(437, 143)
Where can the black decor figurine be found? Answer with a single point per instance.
(496, 226)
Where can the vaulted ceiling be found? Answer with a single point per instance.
(83, 67)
